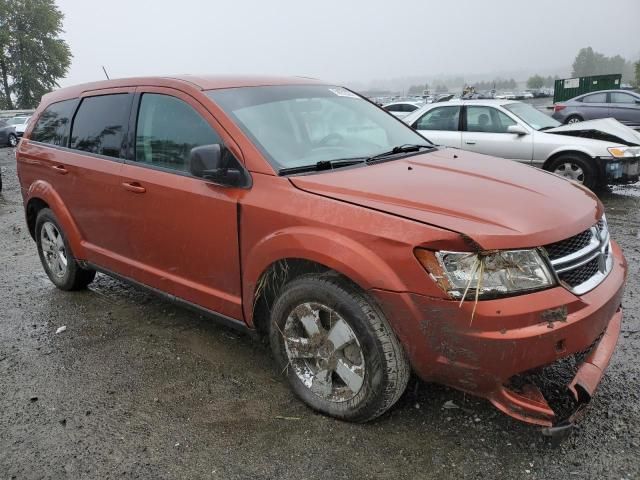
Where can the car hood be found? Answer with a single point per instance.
(607, 129)
(498, 203)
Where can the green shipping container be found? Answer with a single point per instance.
(568, 88)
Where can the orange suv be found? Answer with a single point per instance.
(305, 213)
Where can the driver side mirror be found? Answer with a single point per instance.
(215, 163)
(517, 129)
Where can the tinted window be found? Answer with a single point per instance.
(442, 118)
(487, 119)
(53, 125)
(619, 97)
(394, 108)
(167, 130)
(100, 124)
(595, 98)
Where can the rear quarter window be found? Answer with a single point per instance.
(52, 126)
(100, 124)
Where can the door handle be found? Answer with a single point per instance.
(470, 142)
(59, 169)
(134, 187)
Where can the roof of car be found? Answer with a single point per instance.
(488, 101)
(199, 82)
(402, 102)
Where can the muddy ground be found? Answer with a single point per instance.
(139, 388)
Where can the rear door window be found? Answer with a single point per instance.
(100, 125)
(52, 126)
(619, 97)
(167, 129)
(441, 118)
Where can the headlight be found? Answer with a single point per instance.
(493, 274)
(624, 152)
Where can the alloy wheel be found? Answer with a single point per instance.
(53, 249)
(324, 352)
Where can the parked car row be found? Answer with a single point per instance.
(595, 153)
(301, 211)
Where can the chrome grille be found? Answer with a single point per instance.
(581, 262)
(570, 245)
(581, 274)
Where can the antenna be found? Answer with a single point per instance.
(105, 72)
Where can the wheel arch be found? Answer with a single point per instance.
(558, 153)
(285, 256)
(42, 195)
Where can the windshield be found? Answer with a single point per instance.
(298, 125)
(16, 121)
(532, 116)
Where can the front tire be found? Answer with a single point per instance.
(56, 256)
(575, 167)
(13, 140)
(337, 349)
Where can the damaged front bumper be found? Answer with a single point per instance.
(513, 342)
(525, 396)
(620, 172)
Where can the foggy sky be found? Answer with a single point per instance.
(347, 41)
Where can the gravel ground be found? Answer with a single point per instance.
(139, 388)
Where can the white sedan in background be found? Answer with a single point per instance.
(402, 109)
(594, 153)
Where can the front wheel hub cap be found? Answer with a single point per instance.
(571, 171)
(323, 351)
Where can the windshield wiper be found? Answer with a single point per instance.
(407, 148)
(346, 162)
(544, 128)
(322, 165)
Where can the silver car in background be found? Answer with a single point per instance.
(20, 123)
(595, 153)
(622, 105)
(402, 109)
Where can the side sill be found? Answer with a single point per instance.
(215, 316)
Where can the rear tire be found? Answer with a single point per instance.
(12, 140)
(336, 348)
(574, 119)
(55, 254)
(575, 167)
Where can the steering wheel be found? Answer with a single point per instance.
(331, 140)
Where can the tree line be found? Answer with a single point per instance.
(33, 57)
(589, 62)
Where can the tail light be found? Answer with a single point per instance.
(558, 106)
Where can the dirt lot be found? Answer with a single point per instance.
(138, 388)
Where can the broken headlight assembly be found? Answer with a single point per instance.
(624, 152)
(487, 274)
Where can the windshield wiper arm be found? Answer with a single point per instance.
(544, 128)
(407, 148)
(322, 165)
